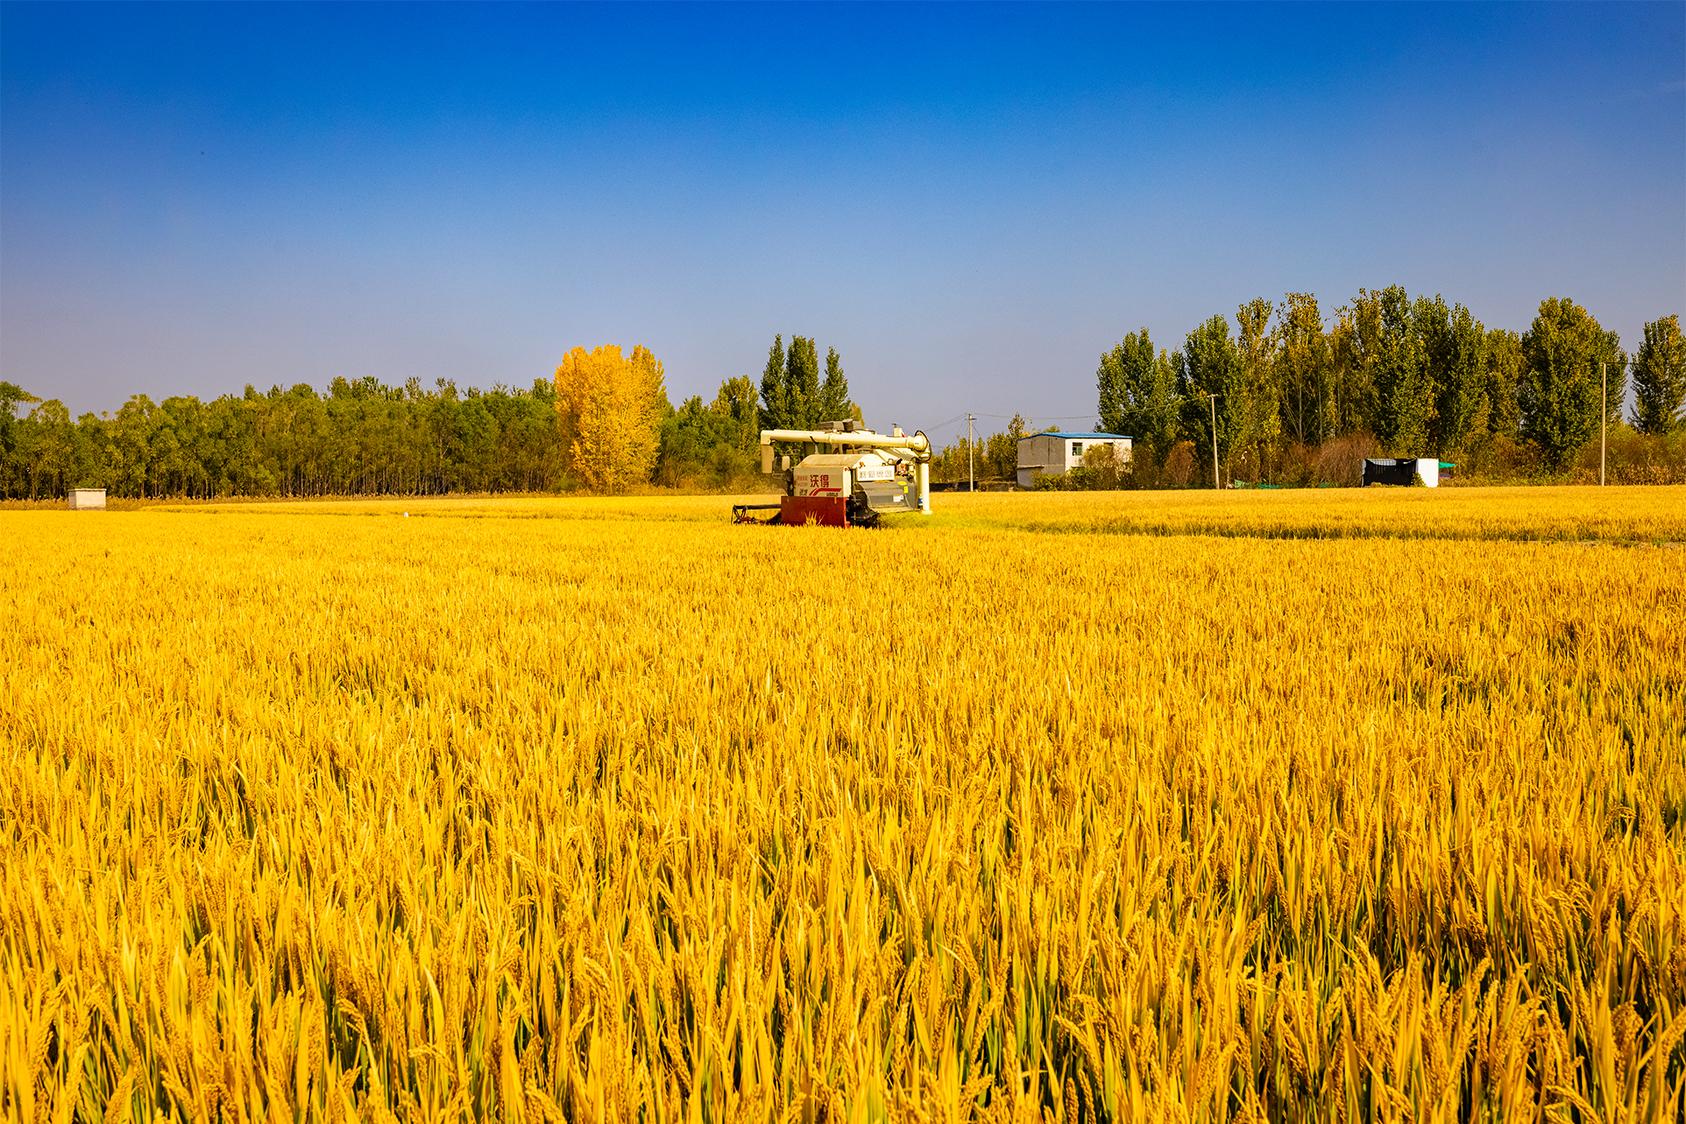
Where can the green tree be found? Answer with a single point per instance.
(1503, 374)
(529, 453)
(477, 435)
(12, 469)
(792, 396)
(1163, 410)
(834, 402)
(734, 405)
(775, 401)
(132, 446)
(711, 443)
(1138, 394)
(1119, 369)
(688, 437)
(1559, 393)
(1454, 354)
(92, 461)
(1615, 376)
(1355, 344)
(1659, 378)
(1001, 450)
(1305, 361)
(1208, 364)
(181, 449)
(362, 437)
(50, 446)
(1404, 416)
(1257, 413)
(802, 383)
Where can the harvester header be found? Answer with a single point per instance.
(852, 477)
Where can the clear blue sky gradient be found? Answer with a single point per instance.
(970, 203)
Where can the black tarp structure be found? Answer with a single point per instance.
(1388, 470)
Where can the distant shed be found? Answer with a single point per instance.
(87, 499)
(1405, 470)
(1055, 454)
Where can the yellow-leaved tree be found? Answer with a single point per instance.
(610, 406)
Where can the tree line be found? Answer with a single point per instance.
(360, 436)
(603, 422)
(1402, 376)
(1294, 399)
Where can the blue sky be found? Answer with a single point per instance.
(970, 203)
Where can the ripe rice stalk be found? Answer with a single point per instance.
(1076, 807)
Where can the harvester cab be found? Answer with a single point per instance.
(853, 477)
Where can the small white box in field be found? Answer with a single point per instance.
(87, 499)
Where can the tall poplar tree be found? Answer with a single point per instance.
(1454, 357)
(1355, 348)
(1503, 366)
(1404, 392)
(1558, 396)
(792, 395)
(1208, 364)
(1614, 378)
(1303, 356)
(802, 383)
(1257, 414)
(775, 402)
(1138, 394)
(834, 391)
(1161, 408)
(1659, 378)
(1120, 369)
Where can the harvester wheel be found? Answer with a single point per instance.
(860, 510)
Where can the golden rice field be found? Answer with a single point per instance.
(1294, 806)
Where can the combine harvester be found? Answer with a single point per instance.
(853, 478)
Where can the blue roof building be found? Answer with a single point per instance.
(1056, 453)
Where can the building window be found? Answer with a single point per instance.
(1077, 450)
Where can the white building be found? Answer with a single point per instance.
(87, 499)
(1055, 454)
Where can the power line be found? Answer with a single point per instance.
(1040, 417)
(943, 424)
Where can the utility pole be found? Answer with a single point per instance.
(971, 474)
(1214, 398)
(1604, 425)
